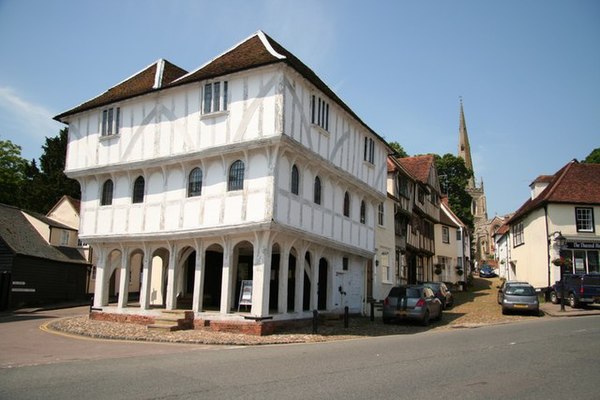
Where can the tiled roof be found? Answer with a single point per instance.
(153, 77)
(574, 183)
(256, 51)
(22, 238)
(502, 230)
(543, 179)
(418, 166)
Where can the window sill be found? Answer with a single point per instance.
(320, 129)
(109, 137)
(368, 164)
(214, 115)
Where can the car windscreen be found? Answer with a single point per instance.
(520, 290)
(402, 292)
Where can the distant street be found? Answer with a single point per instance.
(535, 359)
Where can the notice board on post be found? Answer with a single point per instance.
(245, 294)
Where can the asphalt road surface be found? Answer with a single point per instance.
(536, 359)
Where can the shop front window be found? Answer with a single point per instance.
(593, 262)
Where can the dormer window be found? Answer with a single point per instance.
(110, 121)
(215, 97)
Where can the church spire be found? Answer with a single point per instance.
(464, 148)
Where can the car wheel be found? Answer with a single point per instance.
(554, 297)
(425, 321)
(573, 303)
(439, 316)
(499, 299)
(387, 320)
(504, 311)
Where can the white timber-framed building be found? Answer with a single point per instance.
(248, 169)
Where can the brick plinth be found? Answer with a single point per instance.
(126, 318)
(257, 328)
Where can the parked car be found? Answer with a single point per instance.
(487, 272)
(504, 285)
(579, 289)
(442, 292)
(520, 297)
(412, 302)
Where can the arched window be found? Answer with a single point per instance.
(236, 176)
(295, 189)
(317, 190)
(346, 204)
(138, 190)
(195, 183)
(363, 212)
(107, 193)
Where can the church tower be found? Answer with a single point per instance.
(482, 237)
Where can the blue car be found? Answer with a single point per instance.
(487, 272)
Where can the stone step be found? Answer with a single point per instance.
(172, 320)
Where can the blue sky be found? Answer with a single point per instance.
(528, 70)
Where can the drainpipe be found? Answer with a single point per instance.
(548, 241)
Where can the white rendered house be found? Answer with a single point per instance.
(565, 204)
(248, 171)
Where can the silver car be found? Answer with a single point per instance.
(520, 297)
(412, 302)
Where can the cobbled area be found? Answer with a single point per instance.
(473, 308)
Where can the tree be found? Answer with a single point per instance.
(51, 183)
(398, 149)
(12, 172)
(454, 176)
(593, 157)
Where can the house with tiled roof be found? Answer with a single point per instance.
(393, 217)
(452, 246)
(420, 235)
(40, 262)
(245, 191)
(565, 204)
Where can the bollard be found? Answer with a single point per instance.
(91, 303)
(315, 322)
(372, 311)
(346, 317)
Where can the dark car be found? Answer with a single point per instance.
(520, 297)
(579, 289)
(442, 292)
(487, 272)
(412, 302)
(506, 284)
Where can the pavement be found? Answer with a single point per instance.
(553, 310)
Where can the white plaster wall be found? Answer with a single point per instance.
(532, 257)
(343, 144)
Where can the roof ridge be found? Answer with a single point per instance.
(217, 57)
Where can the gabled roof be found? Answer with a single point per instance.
(256, 51)
(574, 183)
(153, 77)
(76, 204)
(22, 238)
(418, 166)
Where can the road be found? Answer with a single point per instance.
(536, 359)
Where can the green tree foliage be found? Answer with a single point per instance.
(398, 149)
(13, 169)
(31, 188)
(454, 176)
(593, 157)
(51, 183)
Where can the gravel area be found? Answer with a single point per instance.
(473, 308)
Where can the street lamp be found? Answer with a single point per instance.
(560, 241)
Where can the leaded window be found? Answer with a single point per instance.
(317, 194)
(236, 176)
(295, 189)
(138, 190)
(195, 183)
(107, 193)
